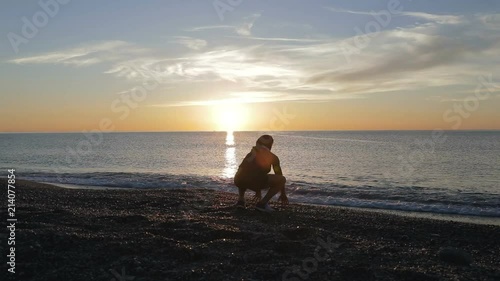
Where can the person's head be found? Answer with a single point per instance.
(265, 140)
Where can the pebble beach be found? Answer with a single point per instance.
(197, 234)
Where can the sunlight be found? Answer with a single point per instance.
(229, 117)
(230, 138)
(231, 165)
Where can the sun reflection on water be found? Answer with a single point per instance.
(230, 138)
(230, 167)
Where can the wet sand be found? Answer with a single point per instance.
(186, 234)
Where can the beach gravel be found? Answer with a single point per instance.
(197, 234)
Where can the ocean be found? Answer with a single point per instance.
(452, 172)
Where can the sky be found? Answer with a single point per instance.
(187, 65)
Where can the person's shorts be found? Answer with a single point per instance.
(252, 181)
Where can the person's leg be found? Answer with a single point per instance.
(241, 192)
(257, 187)
(239, 181)
(276, 184)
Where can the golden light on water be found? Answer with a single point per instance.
(230, 138)
(230, 157)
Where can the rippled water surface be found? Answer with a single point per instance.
(453, 172)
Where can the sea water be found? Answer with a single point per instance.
(452, 172)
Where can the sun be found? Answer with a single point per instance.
(229, 117)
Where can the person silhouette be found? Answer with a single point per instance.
(253, 174)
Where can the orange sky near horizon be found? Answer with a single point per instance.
(340, 115)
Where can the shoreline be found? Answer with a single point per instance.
(480, 220)
(483, 220)
(181, 234)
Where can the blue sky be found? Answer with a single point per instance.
(304, 53)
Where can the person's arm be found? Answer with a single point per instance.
(278, 171)
(276, 166)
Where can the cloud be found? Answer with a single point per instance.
(433, 52)
(404, 59)
(210, 27)
(234, 98)
(491, 21)
(243, 29)
(191, 43)
(269, 69)
(237, 65)
(442, 19)
(253, 97)
(346, 11)
(416, 57)
(282, 39)
(246, 28)
(84, 55)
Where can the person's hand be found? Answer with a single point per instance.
(283, 199)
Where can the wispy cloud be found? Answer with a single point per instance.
(210, 27)
(282, 39)
(254, 97)
(232, 64)
(434, 52)
(191, 43)
(443, 19)
(491, 21)
(242, 29)
(341, 10)
(259, 69)
(246, 28)
(85, 55)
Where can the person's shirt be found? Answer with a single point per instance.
(261, 159)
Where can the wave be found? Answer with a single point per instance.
(402, 198)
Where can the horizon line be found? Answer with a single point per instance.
(249, 131)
